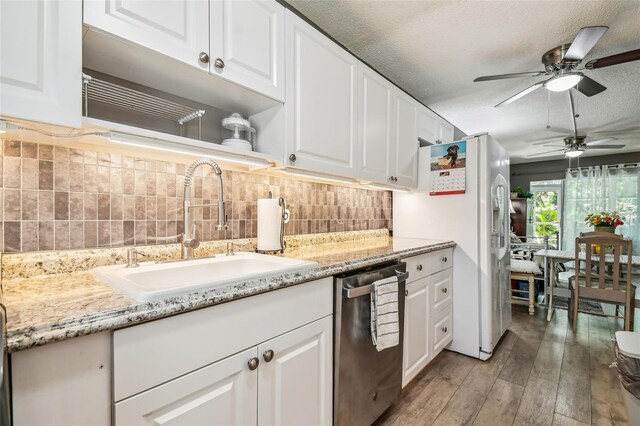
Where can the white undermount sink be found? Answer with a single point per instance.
(154, 281)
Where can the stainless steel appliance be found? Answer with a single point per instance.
(366, 381)
(5, 401)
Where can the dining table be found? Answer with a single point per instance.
(553, 257)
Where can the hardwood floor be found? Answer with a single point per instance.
(540, 374)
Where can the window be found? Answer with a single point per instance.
(598, 189)
(547, 210)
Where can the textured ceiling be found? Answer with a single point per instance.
(434, 50)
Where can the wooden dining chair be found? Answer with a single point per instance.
(601, 286)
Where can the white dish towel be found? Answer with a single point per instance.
(385, 325)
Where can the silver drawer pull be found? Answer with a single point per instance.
(419, 268)
(268, 355)
(444, 329)
(444, 290)
(253, 363)
(444, 259)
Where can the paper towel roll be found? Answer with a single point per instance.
(269, 224)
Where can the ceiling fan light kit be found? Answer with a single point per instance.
(574, 152)
(563, 82)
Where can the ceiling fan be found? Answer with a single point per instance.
(561, 64)
(576, 145)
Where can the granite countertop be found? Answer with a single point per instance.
(56, 306)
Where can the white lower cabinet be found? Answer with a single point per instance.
(295, 386)
(223, 393)
(262, 360)
(284, 381)
(428, 310)
(417, 347)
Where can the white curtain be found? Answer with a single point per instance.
(597, 189)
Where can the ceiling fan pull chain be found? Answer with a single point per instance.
(548, 110)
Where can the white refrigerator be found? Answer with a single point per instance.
(475, 216)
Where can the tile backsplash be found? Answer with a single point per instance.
(56, 198)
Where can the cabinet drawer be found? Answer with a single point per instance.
(442, 329)
(441, 259)
(417, 267)
(149, 354)
(442, 290)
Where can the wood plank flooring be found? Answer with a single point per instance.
(540, 374)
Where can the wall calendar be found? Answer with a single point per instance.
(448, 163)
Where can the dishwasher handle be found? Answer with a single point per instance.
(352, 293)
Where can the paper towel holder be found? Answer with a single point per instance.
(283, 219)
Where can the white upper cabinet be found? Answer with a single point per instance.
(321, 101)
(41, 61)
(247, 44)
(432, 128)
(375, 125)
(295, 376)
(404, 156)
(427, 125)
(176, 28)
(445, 131)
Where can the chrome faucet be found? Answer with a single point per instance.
(189, 240)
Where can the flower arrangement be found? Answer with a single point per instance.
(604, 219)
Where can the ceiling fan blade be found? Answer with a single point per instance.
(601, 141)
(605, 146)
(556, 146)
(546, 141)
(589, 87)
(619, 58)
(521, 94)
(513, 75)
(537, 154)
(585, 40)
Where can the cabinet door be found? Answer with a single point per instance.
(427, 125)
(41, 61)
(224, 393)
(248, 37)
(445, 131)
(295, 386)
(417, 350)
(404, 157)
(176, 28)
(321, 104)
(375, 117)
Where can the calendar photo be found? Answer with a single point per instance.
(448, 162)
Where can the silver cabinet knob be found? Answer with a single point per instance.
(292, 158)
(203, 57)
(406, 292)
(444, 329)
(268, 355)
(390, 178)
(218, 63)
(253, 363)
(444, 290)
(419, 267)
(395, 178)
(444, 259)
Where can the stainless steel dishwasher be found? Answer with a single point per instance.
(366, 381)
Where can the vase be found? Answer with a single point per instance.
(609, 229)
